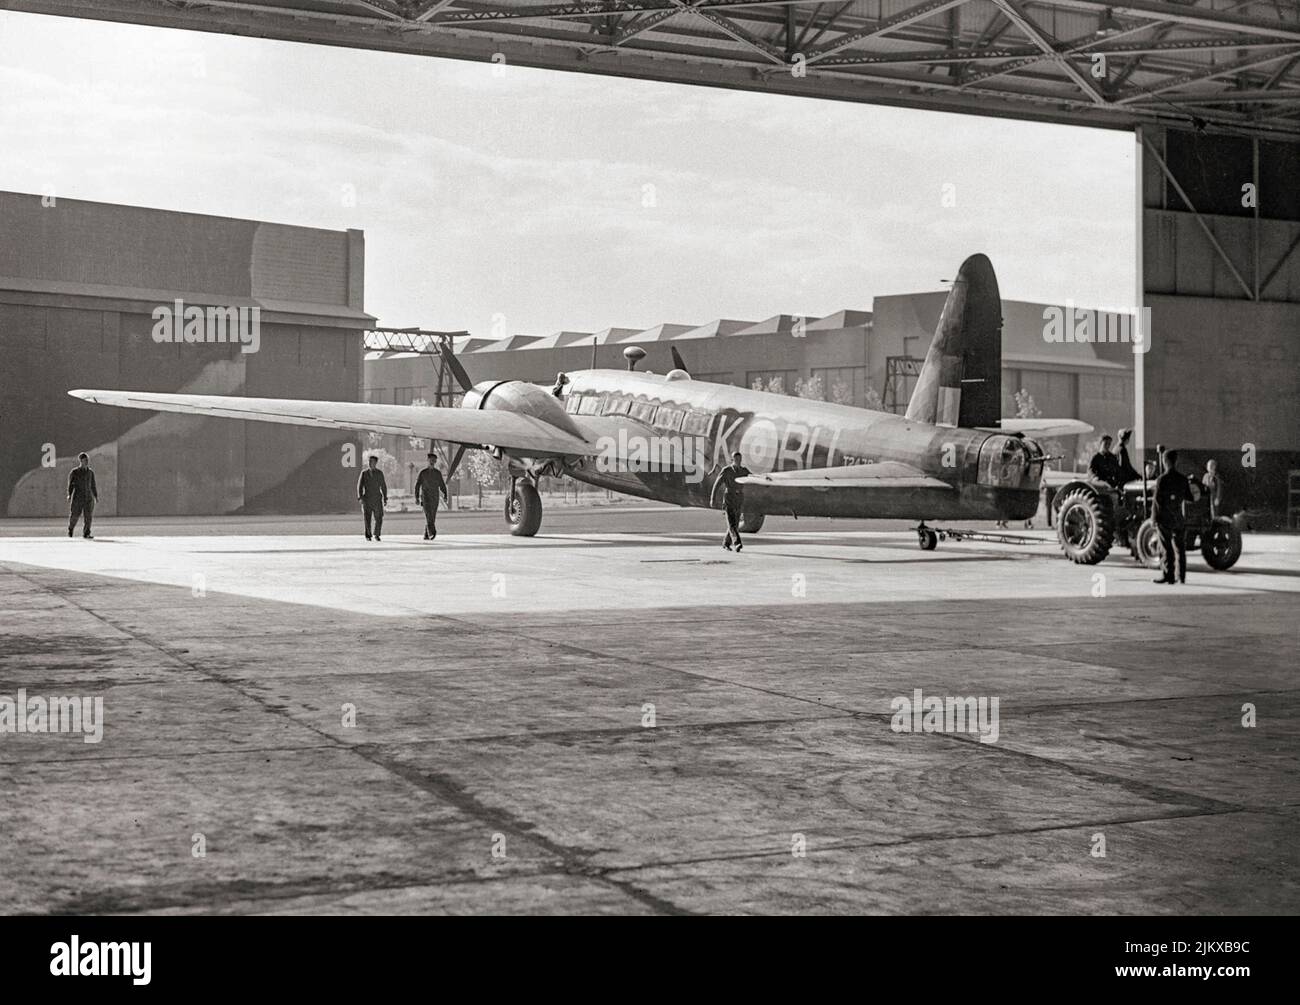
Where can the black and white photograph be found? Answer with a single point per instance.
(650, 458)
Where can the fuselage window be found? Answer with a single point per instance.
(669, 418)
(617, 406)
(643, 411)
(696, 423)
(589, 404)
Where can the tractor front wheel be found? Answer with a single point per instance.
(1221, 544)
(1147, 545)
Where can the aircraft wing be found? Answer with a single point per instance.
(511, 431)
(1042, 427)
(884, 475)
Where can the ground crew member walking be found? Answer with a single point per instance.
(427, 487)
(733, 498)
(1172, 491)
(372, 490)
(82, 495)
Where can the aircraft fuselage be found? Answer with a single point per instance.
(988, 475)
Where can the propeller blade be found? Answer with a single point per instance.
(677, 358)
(453, 364)
(451, 468)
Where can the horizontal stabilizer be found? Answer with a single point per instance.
(885, 475)
(1042, 427)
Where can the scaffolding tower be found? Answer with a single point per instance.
(898, 371)
(436, 346)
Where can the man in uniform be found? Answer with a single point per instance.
(372, 490)
(427, 487)
(1172, 491)
(1127, 473)
(82, 496)
(733, 498)
(1113, 469)
(1104, 466)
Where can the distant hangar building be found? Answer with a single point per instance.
(863, 358)
(83, 286)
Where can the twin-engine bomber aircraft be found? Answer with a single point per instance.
(667, 437)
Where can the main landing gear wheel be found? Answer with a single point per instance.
(1085, 527)
(751, 523)
(1221, 544)
(1147, 548)
(523, 510)
(927, 539)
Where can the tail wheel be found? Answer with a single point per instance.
(1221, 544)
(1085, 527)
(524, 510)
(751, 523)
(1147, 548)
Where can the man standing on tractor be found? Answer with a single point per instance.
(1107, 467)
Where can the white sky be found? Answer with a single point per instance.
(521, 195)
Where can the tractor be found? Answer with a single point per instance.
(1092, 517)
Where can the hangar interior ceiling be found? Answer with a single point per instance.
(1231, 64)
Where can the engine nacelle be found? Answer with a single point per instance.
(523, 398)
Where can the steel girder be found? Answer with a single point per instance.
(1227, 64)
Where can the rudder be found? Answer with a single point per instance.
(961, 381)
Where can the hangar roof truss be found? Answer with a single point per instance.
(1227, 64)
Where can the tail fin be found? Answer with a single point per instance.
(961, 381)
